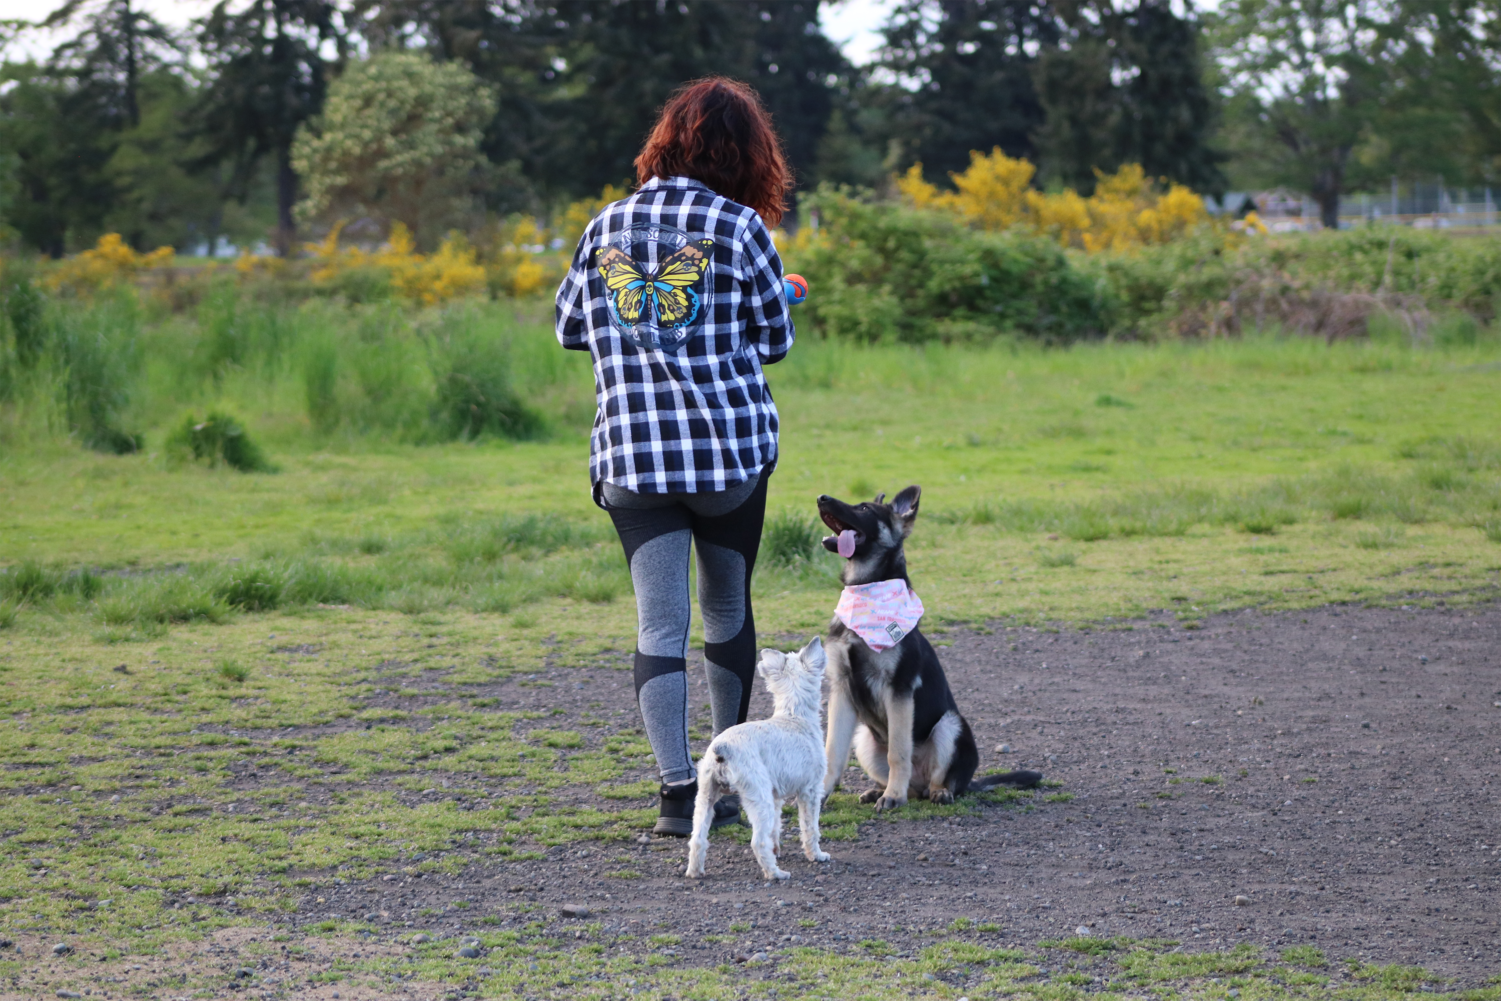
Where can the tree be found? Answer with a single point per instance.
(116, 45)
(267, 77)
(965, 78)
(156, 198)
(1444, 115)
(1126, 85)
(1308, 80)
(614, 65)
(512, 46)
(398, 141)
(61, 186)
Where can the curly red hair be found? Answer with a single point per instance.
(716, 130)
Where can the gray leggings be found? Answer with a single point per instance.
(657, 531)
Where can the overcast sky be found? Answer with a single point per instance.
(852, 24)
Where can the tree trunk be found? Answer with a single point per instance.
(286, 196)
(1327, 187)
(132, 102)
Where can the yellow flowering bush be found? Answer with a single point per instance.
(448, 273)
(994, 193)
(110, 261)
(517, 269)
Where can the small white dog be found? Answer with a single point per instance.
(769, 762)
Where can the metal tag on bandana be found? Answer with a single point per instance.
(895, 632)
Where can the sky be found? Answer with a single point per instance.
(853, 24)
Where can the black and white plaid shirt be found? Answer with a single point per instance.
(677, 293)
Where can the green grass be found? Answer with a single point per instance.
(240, 605)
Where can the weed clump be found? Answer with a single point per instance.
(219, 439)
(231, 672)
(253, 589)
(789, 540)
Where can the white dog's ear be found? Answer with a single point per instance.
(813, 654)
(772, 662)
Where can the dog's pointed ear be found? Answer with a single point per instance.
(905, 505)
(881, 497)
(771, 662)
(813, 654)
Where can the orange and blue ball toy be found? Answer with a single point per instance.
(795, 288)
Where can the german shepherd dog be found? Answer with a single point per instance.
(895, 705)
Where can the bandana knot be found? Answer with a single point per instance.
(881, 614)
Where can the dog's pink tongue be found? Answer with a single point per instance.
(847, 543)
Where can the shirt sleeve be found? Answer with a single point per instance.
(769, 326)
(571, 303)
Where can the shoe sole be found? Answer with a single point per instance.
(673, 827)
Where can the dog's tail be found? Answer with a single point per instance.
(1020, 779)
(712, 765)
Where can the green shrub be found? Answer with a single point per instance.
(24, 313)
(219, 439)
(10, 610)
(320, 383)
(174, 599)
(97, 354)
(886, 272)
(28, 583)
(251, 589)
(474, 392)
(789, 539)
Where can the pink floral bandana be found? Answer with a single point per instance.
(880, 613)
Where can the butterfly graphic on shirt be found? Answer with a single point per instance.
(666, 291)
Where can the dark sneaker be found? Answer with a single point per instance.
(726, 811)
(676, 820)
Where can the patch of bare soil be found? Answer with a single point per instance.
(247, 961)
(1327, 777)
(1334, 771)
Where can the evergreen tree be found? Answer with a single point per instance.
(619, 62)
(116, 45)
(267, 77)
(1168, 111)
(60, 184)
(965, 79)
(1127, 85)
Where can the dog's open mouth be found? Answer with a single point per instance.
(844, 540)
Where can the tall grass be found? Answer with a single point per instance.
(118, 369)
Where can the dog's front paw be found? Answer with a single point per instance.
(776, 874)
(820, 857)
(889, 803)
(871, 795)
(694, 871)
(943, 797)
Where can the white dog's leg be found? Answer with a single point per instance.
(808, 804)
(703, 816)
(758, 802)
(776, 836)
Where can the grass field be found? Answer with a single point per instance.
(152, 611)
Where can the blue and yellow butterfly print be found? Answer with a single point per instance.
(661, 297)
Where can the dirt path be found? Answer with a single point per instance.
(1337, 769)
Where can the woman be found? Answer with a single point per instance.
(677, 293)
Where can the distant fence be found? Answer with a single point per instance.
(1422, 206)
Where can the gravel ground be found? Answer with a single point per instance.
(1326, 777)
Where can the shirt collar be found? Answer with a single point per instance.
(674, 182)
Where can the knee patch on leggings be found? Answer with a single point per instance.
(732, 664)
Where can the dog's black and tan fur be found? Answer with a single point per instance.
(895, 705)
